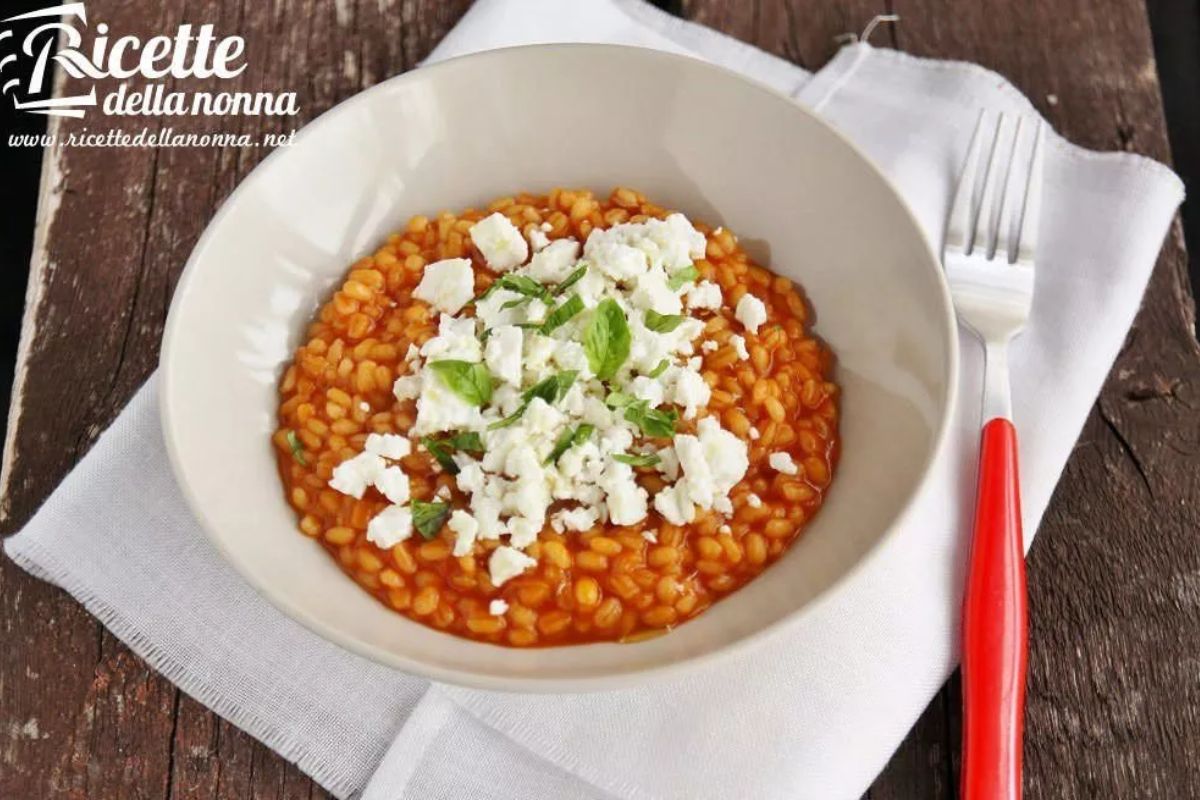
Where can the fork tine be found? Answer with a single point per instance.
(1009, 201)
(1032, 212)
(958, 227)
(991, 184)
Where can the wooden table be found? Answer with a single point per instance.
(1114, 705)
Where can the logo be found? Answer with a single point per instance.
(193, 52)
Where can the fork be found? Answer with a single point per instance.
(988, 257)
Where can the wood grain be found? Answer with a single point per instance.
(1114, 573)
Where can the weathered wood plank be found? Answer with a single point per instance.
(1108, 597)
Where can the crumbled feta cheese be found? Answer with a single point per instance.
(690, 391)
(388, 445)
(782, 462)
(754, 501)
(751, 312)
(440, 409)
(390, 527)
(709, 345)
(626, 500)
(502, 245)
(503, 353)
(571, 355)
(668, 463)
(538, 239)
(739, 344)
(648, 389)
(704, 295)
(522, 531)
(447, 285)
(650, 536)
(555, 262)
(470, 475)
(675, 505)
(725, 529)
(497, 608)
(651, 292)
(575, 519)
(455, 340)
(507, 563)
(364, 407)
(354, 475)
(407, 387)
(754, 434)
(486, 511)
(393, 484)
(465, 530)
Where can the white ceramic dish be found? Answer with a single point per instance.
(693, 137)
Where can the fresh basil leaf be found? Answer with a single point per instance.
(428, 518)
(522, 284)
(509, 420)
(606, 340)
(658, 370)
(562, 314)
(440, 450)
(551, 389)
(471, 382)
(520, 301)
(663, 323)
(572, 279)
(297, 449)
(568, 439)
(484, 334)
(467, 441)
(638, 460)
(653, 422)
(685, 275)
(618, 400)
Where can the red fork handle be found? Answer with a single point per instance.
(994, 626)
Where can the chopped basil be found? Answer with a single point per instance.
(484, 334)
(638, 460)
(572, 279)
(428, 518)
(658, 370)
(551, 390)
(617, 400)
(441, 449)
(568, 439)
(297, 449)
(663, 323)
(562, 314)
(685, 275)
(606, 340)
(654, 422)
(471, 382)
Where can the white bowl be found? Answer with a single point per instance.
(693, 137)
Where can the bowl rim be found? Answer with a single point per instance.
(479, 679)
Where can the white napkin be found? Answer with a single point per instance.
(814, 712)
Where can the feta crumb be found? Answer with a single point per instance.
(739, 344)
(502, 245)
(447, 285)
(364, 407)
(648, 389)
(503, 353)
(650, 536)
(538, 239)
(393, 483)
(507, 563)
(782, 462)
(754, 501)
(407, 387)
(555, 262)
(390, 527)
(751, 312)
(754, 434)
(625, 499)
(576, 519)
(388, 445)
(354, 475)
(691, 392)
(455, 339)
(709, 345)
(465, 530)
(725, 529)
(704, 295)
(674, 504)
(497, 608)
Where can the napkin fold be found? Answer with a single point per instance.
(814, 712)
